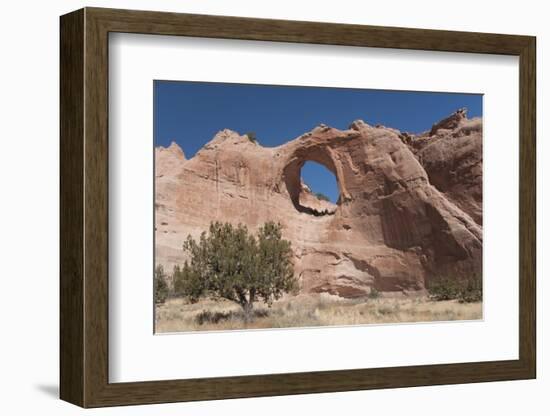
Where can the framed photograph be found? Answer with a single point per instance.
(255, 207)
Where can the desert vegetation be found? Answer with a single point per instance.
(230, 263)
(161, 289)
(309, 310)
(464, 290)
(252, 137)
(235, 279)
(321, 196)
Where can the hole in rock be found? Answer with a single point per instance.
(319, 193)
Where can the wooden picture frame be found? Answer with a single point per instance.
(84, 207)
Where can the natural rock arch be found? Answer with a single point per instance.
(391, 229)
(292, 174)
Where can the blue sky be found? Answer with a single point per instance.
(191, 113)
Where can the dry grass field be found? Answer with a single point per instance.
(177, 315)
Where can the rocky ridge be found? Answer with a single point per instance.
(410, 206)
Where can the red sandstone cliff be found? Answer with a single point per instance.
(410, 206)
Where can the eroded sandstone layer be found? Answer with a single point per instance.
(410, 206)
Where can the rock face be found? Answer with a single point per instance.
(410, 207)
(453, 160)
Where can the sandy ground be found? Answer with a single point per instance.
(177, 315)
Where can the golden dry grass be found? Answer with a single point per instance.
(177, 315)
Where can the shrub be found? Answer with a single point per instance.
(160, 285)
(473, 291)
(464, 290)
(212, 317)
(443, 289)
(322, 197)
(374, 293)
(208, 317)
(177, 281)
(252, 137)
(230, 263)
